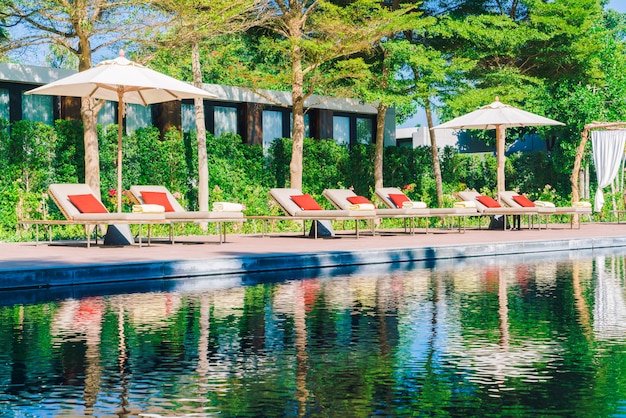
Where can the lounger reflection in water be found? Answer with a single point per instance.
(222, 213)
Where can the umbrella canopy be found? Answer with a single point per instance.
(123, 81)
(498, 116)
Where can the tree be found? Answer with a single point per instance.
(193, 23)
(591, 104)
(434, 75)
(313, 37)
(81, 28)
(385, 84)
(4, 34)
(518, 50)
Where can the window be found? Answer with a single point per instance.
(37, 108)
(341, 129)
(108, 114)
(225, 120)
(4, 104)
(307, 125)
(137, 116)
(188, 117)
(272, 127)
(364, 131)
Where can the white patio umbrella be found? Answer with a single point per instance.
(498, 116)
(123, 81)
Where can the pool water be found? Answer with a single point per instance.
(490, 338)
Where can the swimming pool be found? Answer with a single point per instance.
(489, 337)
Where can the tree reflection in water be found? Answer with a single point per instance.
(496, 338)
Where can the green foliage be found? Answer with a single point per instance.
(322, 160)
(70, 145)
(358, 170)
(30, 153)
(38, 155)
(235, 169)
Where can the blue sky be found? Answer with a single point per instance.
(619, 5)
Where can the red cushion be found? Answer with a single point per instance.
(358, 200)
(87, 203)
(157, 198)
(398, 199)
(523, 201)
(488, 201)
(306, 202)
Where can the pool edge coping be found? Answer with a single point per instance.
(128, 271)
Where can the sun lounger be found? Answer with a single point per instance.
(80, 206)
(345, 199)
(302, 207)
(395, 199)
(487, 206)
(546, 209)
(225, 212)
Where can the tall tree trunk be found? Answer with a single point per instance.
(89, 114)
(381, 114)
(297, 97)
(203, 168)
(380, 145)
(434, 152)
(89, 109)
(580, 152)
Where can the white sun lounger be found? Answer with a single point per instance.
(61, 194)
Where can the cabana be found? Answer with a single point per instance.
(607, 140)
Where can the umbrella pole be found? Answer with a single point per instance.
(120, 120)
(500, 158)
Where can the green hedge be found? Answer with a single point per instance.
(37, 155)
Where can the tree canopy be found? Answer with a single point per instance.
(563, 59)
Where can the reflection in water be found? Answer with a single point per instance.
(609, 312)
(76, 328)
(494, 338)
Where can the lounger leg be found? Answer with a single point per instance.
(139, 235)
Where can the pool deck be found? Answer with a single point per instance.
(27, 265)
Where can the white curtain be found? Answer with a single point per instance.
(608, 149)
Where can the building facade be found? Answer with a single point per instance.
(258, 116)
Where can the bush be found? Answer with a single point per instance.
(38, 154)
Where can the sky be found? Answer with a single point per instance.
(619, 5)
